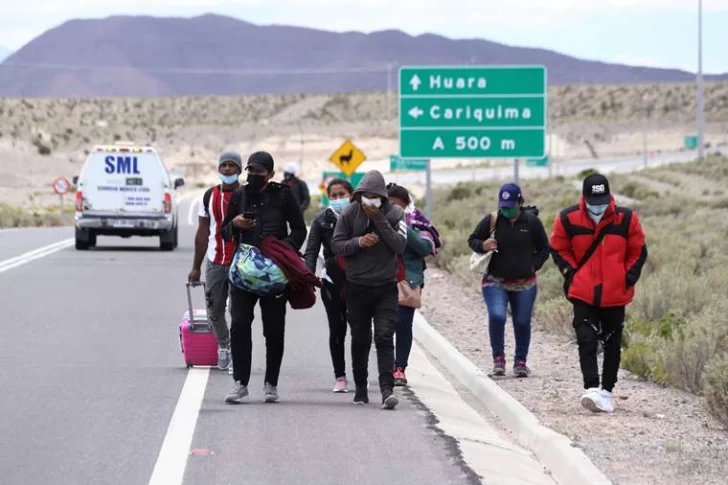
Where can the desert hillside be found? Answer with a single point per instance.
(44, 138)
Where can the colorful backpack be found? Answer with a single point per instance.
(255, 273)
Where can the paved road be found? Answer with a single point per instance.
(94, 390)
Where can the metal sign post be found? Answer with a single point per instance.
(62, 186)
(428, 190)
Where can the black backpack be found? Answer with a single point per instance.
(532, 209)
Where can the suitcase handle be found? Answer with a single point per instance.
(191, 313)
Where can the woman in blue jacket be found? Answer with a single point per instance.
(423, 240)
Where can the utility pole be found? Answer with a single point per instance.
(389, 91)
(701, 140)
(644, 128)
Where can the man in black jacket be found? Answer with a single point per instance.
(521, 247)
(259, 209)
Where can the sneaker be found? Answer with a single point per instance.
(389, 400)
(271, 393)
(238, 394)
(605, 402)
(399, 378)
(342, 385)
(520, 369)
(223, 358)
(361, 396)
(591, 399)
(499, 366)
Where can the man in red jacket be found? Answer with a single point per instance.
(600, 250)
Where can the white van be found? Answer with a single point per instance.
(125, 190)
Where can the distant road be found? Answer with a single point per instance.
(619, 165)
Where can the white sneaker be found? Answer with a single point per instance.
(591, 399)
(605, 401)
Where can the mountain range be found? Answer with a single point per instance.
(218, 55)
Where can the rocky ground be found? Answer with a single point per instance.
(657, 436)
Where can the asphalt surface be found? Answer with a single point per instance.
(14, 242)
(92, 372)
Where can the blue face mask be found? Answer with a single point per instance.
(228, 179)
(597, 210)
(338, 205)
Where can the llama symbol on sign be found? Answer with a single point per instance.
(345, 159)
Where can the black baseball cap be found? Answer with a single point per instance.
(262, 160)
(596, 189)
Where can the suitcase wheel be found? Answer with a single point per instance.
(189, 366)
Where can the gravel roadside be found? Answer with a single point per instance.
(656, 435)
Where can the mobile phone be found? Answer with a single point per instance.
(249, 215)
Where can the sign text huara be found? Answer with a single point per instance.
(472, 111)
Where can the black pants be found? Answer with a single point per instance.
(380, 304)
(593, 324)
(273, 311)
(336, 314)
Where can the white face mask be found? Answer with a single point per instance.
(372, 202)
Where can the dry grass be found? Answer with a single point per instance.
(676, 333)
(11, 216)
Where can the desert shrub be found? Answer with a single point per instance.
(586, 172)
(716, 387)
(675, 332)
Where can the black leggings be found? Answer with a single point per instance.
(336, 314)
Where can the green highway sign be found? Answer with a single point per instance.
(472, 112)
(690, 142)
(538, 162)
(397, 163)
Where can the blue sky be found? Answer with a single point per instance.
(641, 32)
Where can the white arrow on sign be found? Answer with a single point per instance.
(416, 112)
(415, 82)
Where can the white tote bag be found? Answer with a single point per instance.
(479, 262)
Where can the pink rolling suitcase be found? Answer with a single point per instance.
(197, 340)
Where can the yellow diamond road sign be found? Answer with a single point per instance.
(348, 158)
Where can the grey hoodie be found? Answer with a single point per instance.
(376, 265)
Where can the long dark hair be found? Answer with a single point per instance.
(399, 192)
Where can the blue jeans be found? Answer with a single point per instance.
(496, 300)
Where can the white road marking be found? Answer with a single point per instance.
(172, 459)
(35, 254)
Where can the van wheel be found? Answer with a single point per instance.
(167, 239)
(92, 240)
(83, 239)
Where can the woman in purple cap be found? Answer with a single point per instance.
(520, 248)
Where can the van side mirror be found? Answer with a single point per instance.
(179, 183)
(75, 180)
